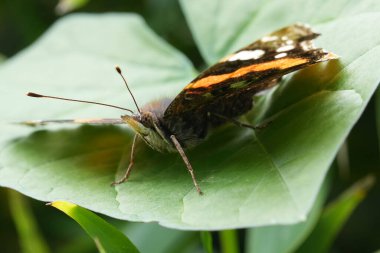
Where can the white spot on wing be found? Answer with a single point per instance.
(247, 55)
(285, 48)
(307, 45)
(269, 38)
(280, 55)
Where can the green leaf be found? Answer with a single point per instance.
(30, 238)
(106, 237)
(289, 237)
(245, 176)
(335, 216)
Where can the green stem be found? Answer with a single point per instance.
(31, 240)
(229, 241)
(206, 240)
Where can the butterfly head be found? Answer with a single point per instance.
(136, 123)
(147, 127)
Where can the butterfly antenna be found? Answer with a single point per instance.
(35, 95)
(125, 81)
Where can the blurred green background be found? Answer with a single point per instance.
(23, 21)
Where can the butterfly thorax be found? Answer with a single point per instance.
(155, 127)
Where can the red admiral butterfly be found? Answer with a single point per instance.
(219, 94)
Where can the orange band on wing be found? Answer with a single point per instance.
(275, 64)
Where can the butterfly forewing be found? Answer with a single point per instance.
(263, 61)
(227, 87)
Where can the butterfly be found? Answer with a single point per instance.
(218, 95)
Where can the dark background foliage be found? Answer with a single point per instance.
(22, 22)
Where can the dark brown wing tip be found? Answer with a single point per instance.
(329, 56)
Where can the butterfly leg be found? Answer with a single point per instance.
(241, 124)
(130, 166)
(186, 161)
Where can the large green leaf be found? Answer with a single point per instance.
(76, 58)
(271, 177)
